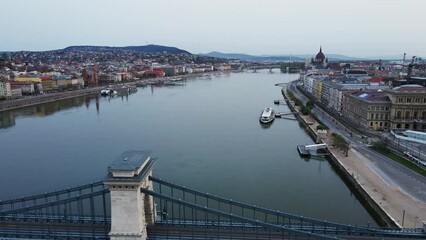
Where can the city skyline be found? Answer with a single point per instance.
(358, 29)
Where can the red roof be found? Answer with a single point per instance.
(46, 78)
(20, 83)
(336, 67)
(375, 79)
(158, 73)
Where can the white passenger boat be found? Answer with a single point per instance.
(107, 92)
(267, 115)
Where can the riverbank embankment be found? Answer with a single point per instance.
(390, 205)
(39, 99)
(51, 97)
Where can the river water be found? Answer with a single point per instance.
(206, 135)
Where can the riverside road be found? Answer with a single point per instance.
(392, 172)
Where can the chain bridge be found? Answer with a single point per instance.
(132, 204)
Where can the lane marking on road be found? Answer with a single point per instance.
(410, 196)
(385, 178)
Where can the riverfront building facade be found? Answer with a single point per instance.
(366, 98)
(5, 90)
(402, 107)
(368, 108)
(408, 109)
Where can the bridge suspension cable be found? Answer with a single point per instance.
(232, 217)
(79, 212)
(268, 216)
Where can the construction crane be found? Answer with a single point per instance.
(410, 67)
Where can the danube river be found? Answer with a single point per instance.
(205, 133)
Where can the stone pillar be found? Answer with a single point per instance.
(131, 211)
(149, 206)
(127, 212)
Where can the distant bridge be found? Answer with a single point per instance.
(132, 204)
(256, 67)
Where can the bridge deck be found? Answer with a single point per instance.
(176, 232)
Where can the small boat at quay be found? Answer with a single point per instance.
(108, 92)
(267, 115)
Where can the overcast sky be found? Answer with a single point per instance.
(356, 28)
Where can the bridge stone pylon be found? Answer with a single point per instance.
(131, 210)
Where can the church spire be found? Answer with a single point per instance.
(320, 48)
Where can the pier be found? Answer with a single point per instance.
(286, 115)
(306, 150)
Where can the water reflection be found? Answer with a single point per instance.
(8, 118)
(52, 107)
(314, 158)
(265, 125)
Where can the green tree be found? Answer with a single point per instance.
(340, 142)
(297, 102)
(322, 127)
(310, 104)
(305, 110)
(337, 140)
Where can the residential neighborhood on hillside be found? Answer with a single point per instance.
(30, 73)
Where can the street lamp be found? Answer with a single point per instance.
(415, 221)
(418, 149)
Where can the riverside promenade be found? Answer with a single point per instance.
(390, 203)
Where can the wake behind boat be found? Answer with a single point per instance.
(267, 115)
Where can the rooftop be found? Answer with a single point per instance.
(375, 79)
(45, 78)
(418, 78)
(372, 96)
(130, 160)
(320, 55)
(20, 83)
(409, 88)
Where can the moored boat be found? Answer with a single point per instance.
(108, 92)
(267, 115)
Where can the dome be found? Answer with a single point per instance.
(320, 55)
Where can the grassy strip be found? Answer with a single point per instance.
(399, 159)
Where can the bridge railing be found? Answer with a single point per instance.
(187, 219)
(82, 211)
(258, 214)
(49, 196)
(72, 201)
